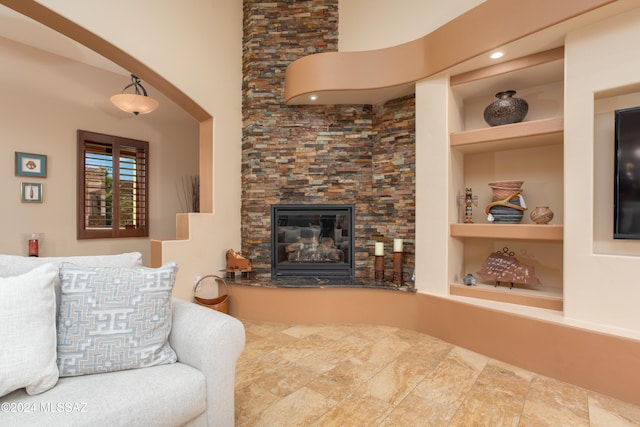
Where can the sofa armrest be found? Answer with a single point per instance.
(211, 342)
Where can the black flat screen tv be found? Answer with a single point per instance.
(626, 193)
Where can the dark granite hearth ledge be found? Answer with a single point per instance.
(317, 282)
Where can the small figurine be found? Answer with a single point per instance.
(236, 262)
(469, 201)
(469, 280)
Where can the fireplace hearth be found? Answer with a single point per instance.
(312, 240)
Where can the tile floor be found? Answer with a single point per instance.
(359, 375)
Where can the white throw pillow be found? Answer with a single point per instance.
(28, 331)
(114, 318)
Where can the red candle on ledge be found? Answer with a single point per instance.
(33, 245)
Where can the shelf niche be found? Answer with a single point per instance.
(531, 151)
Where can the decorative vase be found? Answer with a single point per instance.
(506, 109)
(507, 206)
(541, 215)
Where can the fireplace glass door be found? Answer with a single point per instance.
(312, 240)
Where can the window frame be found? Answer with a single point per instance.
(114, 143)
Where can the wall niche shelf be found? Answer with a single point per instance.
(509, 231)
(548, 298)
(535, 133)
(530, 150)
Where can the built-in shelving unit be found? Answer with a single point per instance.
(530, 150)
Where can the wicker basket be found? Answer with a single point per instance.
(220, 303)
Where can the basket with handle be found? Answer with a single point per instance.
(219, 303)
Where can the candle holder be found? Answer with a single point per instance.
(378, 268)
(33, 245)
(397, 268)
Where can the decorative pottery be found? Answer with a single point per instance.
(507, 206)
(506, 109)
(541, 215)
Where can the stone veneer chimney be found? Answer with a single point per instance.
(351, 154)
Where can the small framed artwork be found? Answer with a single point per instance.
(31, 192)
(28, 164)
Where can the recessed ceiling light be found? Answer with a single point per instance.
(496, 55)
(313, 97)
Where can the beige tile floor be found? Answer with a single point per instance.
(359, 375)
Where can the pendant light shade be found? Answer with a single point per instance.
(138, 102)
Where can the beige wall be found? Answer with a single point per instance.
(376, 24)
(600, 285)
(197, 46)
(599, 289)
(46, 98)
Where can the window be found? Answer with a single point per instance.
(113, 186)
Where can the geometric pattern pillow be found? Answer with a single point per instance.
(114, 318)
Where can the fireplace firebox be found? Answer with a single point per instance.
(312, 240)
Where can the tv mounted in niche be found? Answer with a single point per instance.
(626, 194)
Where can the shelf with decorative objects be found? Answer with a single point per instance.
(504, 152)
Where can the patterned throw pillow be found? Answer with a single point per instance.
(114, 318)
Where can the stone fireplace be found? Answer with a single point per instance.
(360, 155)
(312, 240)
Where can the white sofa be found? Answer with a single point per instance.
(198, 389)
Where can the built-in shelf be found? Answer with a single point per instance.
(541, 297)
(482, 154)
(535, 133)
(509, 231)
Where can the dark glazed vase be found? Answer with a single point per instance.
(506, 109)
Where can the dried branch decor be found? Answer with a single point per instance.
(189, 194)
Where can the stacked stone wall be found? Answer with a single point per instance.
(353, 154)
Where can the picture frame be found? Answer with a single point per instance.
(31, 192)
(29, 164)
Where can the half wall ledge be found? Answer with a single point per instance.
(318, 283)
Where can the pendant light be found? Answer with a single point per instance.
(136, 103)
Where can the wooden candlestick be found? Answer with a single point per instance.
(397, 268)
(378, 268)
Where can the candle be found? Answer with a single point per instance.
(379, 248)
(397, 245)
(33, 245)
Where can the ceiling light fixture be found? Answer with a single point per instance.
(497, 55)
(313, 97)
(136, 103)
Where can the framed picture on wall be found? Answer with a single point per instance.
(28, 164)
(31, 192)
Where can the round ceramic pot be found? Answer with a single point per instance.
(541, 215)
(506, 109)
